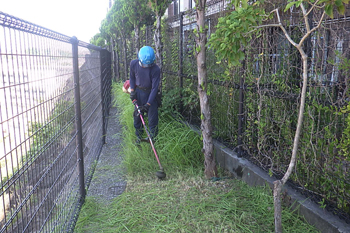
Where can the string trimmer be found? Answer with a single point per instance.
(160, 174)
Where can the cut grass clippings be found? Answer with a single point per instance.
(188, 204)
(184, 201)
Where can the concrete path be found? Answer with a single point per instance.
(108, 179)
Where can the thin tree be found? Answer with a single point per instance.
(321, 7)
(210, 169)
(159, 7)
(138, 14)
(120, 28)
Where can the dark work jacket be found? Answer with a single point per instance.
(145, 78)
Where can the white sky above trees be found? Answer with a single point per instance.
(80, 18)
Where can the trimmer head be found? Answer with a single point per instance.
(160, 174)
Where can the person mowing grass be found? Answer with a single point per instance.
(144, 84)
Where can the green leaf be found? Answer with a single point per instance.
(297, 4)
(244, 4)
(241, 56)
(289, 5)
(251, 19)
(341, 9)
(338, 3)
(329, 10)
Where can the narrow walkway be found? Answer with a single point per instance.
(108, 180)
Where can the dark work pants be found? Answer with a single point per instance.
(142, 97)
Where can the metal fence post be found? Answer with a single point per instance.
(181, 60)
(103, 68)
(115, 62)
(106, 83)
(79, 139)
(240, 112)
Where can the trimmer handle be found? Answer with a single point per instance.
(137, 107)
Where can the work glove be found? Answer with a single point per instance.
(144, 108)
(135, 113)
(133, 95)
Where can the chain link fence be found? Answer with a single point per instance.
(54, 99)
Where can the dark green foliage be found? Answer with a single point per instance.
(98, 40)
(233, 33)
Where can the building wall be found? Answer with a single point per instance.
(183, 5)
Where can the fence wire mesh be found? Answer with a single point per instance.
(40, 189)
(254, 107)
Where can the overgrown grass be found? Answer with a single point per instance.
(177, 145)
(185, 201)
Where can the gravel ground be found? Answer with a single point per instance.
(108, 180)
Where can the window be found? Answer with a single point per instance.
(176, 7)
(338, 53)
(191, 4)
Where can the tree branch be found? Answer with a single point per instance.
(312, 30)
(307, 25)
(288, 37)
(314, 5)
(268, 25)
(283, 29)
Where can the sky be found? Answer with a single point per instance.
(80, 18)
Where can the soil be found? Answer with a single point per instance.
(108, 180)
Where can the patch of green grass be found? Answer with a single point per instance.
(185, 201)
(188, 203)
(177, 146)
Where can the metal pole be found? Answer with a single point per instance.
(115, 62)
(181, 60)
(106, 84)
(79, 138)
(240, 112)
(103, 61)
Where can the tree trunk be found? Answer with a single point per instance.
(159, 46)
(279, 183)
(126, 65)
(277, 188)
(137, 39)
(206, 128)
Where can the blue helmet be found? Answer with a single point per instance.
(146, 56)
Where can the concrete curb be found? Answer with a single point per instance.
(253, 175)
